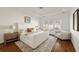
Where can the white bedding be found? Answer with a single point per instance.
(46, 46)
(33, 40)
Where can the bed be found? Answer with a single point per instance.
(34, 39)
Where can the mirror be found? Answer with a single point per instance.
(76, 20)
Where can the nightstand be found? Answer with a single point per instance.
(10, 37)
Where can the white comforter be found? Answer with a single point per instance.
(34, 39)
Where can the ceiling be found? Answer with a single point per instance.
(40, 11)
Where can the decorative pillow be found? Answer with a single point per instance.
(29, 29)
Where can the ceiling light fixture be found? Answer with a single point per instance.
(41, 7)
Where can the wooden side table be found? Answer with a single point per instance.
(9, 37)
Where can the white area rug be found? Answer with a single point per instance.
(44, 47)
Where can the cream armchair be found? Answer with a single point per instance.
(63, 35)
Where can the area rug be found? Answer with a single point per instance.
(46, 46)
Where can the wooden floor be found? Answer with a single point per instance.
(60, 46)
(63, 46)
(10, 47)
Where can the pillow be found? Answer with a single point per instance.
(29, 29)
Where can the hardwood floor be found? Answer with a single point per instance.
(60, 46)
(10, 47)
(63, 46)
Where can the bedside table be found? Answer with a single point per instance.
(9, 37)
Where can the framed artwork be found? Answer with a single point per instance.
(27, 19)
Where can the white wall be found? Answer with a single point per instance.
(63, 18)
(9, 16)
(74, 34)
(34, 22)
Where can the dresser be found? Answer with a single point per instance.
(10, 37)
